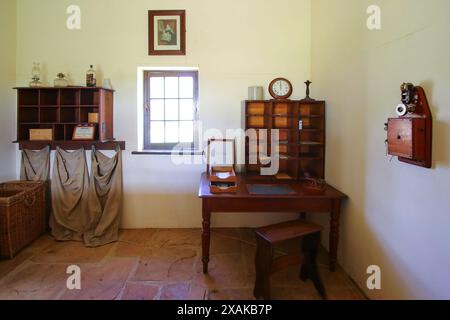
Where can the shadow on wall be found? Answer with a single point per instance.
(401, 276)
(440, 130)
(184, 210)
(161, 210)
(440, 144)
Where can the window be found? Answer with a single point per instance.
(170, 109)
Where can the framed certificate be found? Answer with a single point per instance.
(84, 132)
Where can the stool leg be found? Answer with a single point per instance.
(257, 292)
(267, 256)
(263, 264)
(310, 248)
(306, 265)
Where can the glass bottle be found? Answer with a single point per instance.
(91, 77)
(36, 75)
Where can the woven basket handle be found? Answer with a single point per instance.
(29, 202)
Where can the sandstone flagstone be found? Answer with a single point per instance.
(7, 266)
(222, 244)
(176, 237)
(102, 282)
(34, 282)
(231, 294)
(71, 252)
(167, 264)
(137, 236)
(140, 291)
(182, 291)
(160, 264)
(125, 249)
(225, 271)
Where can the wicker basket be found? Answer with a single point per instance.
(22, 215)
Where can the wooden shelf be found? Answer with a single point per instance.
(279, 177)
(61, 110)
(71, 145)
(302, 151)
(310, 130)
(310, 117)
(310, 143)
(63, 88)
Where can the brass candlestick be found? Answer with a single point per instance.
(308, 98)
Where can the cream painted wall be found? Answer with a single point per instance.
(7, 81)
(235, 44)
(398, 216)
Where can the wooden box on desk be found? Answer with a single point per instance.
(223, 179)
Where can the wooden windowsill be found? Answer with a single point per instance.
(167, 152)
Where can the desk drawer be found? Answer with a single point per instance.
(229, 204)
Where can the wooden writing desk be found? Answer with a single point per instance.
(242, 201)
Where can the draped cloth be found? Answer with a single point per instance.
(35, 166)
(83, 209)
(69, 188)
(105, 199)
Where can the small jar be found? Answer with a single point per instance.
(61, 81)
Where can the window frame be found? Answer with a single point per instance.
(148, 145)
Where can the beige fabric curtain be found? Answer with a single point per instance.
(84, 209)
(70, 186)
(105, 199)
(35, 165)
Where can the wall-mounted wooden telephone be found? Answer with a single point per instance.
(410, 135)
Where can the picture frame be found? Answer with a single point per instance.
(167, 32)
(84, 132)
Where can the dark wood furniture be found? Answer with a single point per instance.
(410, 136)
(301, 125)
(61, 110)
(265, 264)
(242, 201)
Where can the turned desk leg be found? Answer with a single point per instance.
(206, 235)
(334, 234)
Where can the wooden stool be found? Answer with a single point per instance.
(267, 237)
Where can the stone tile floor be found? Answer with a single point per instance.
(159, 264)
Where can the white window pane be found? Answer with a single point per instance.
(186, 109)
(186, 87)
(171, 87)
(157, 88)
(172, 109)
(187, 131)
(172, 132)
(157, 132)
(157, 109)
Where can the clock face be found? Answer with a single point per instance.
(280, 88)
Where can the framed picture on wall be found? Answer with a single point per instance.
(167, 32)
